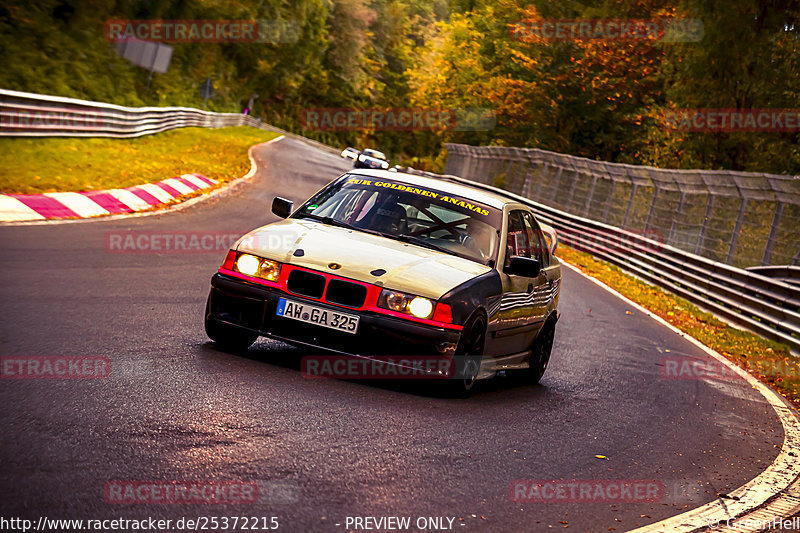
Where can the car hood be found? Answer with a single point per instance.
(408, 267)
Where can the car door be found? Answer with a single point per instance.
(520, 316)
(543, 285)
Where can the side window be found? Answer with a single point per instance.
(518, 242)
(540, 250)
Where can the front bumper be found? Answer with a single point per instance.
(253, 306)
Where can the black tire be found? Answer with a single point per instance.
(469, 355)
(541, 349)
(229, 338)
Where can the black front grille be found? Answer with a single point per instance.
(306, 283)
(346, 293)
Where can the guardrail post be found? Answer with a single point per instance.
(526, 186)
(484, 163)
(556, 185)
(509, 168)
(466, 164)
(530, 167)
(736, 230)
(702, 237)
(679, 212)
(490, 171)
(773, 233)
(608, 200)
(575, 178)
(524, 170)
(652, 208)
(634, 189)
(462, 166)
(514, 182)
(542, 174)
(589, 195)
(474, 165)
(452, 163)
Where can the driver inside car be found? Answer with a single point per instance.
(383, 213)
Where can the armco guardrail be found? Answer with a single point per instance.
(765, 305)
(35, 115)
(787, 273)
(38, 115)
(737, 218)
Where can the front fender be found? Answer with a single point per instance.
(474, 294)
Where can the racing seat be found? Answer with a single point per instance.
(390, 218)
(480, 237)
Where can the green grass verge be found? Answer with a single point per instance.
(30, 166)
(769, 361)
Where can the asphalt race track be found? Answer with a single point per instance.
(177, 408)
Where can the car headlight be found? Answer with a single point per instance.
(248, 264)
(384, 165)
(361, 158)
(251, 265)
(406, 303)
(420, 307)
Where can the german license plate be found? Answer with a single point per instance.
(317, 315)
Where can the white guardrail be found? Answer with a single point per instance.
(35, 115)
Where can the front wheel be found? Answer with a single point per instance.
(540, 353)
(226, 336)
(467, 361)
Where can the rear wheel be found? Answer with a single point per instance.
(228, 337)
(540, 352)
(468, 357)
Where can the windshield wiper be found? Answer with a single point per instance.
(338, 223)
(326, 220)
(411, 239)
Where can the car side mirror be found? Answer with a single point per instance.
(282, 207)
(524, 266)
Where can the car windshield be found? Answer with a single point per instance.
(374, 153)
(415, 215)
